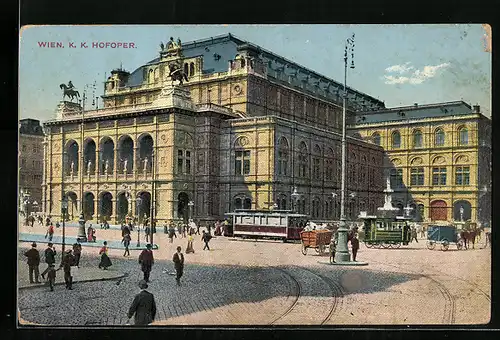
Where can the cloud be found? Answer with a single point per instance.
(403, 68)
(417, 77)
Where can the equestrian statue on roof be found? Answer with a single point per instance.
(69, 91)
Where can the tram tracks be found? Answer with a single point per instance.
(335, 293)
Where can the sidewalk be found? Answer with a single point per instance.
(82, 274)
(112, 244)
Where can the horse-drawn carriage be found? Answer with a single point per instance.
(444, 235)
(383, 232)
(317, 239)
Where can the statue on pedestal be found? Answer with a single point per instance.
(125, 162)
(72, 167)
(89, 166)
(461, 213)
(106, 166)
(145, 164)
(69, 91)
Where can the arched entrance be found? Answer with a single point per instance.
(89, 157)
(126, 154)
(439, 211)
(106, 206)
(182, 206)
(145, 153)
(143, 205)
(466, 208)
(72, 204)
(122, 207)
(88, 206)
(72, 157)
(107, 156)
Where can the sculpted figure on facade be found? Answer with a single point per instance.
(145, 164)
(125, 163)
(106, 166)
(89, 166)
(72, 167)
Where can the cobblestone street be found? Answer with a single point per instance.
(264, 282)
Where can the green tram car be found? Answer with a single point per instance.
(380, 232)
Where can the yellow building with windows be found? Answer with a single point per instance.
(438, 157)
(244, 129)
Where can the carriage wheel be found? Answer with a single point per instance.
(385, 245)
(317, 249)
(322, 249)
(460, 244)
(445, 245)
(304, 250)
(368, 245)
(431, 245)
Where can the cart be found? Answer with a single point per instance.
(444, 235)
(317, 239)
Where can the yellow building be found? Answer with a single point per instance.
(245, 128)
(438, 157)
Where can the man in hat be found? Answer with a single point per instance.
(146, 261)
(143, 306)
(50, 258)
(33, 262)
(67, 261)
(178, 264)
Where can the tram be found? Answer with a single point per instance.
(386, 232)
(264, 224)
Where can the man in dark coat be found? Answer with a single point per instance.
(178, 264)
(77, 252)
(355, 246)
(50, 258)
(147, 232)
(146, 261)
(67, 261)
(33, 262)
(143, 306)
(206, 238)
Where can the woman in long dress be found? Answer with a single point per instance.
(189, 248)
(105, 261)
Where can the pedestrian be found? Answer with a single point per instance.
(51, 276)
(146, 261)
(50, 232)
(198, 228)
(171, 233)
(179, 265)
(33, 262)
(179, 228)
(143, 306)
(47, 221)
(355, 246)
(333, 249)
(66, 263)
(217, 231)
(189, 248)
(77, 252)
(184, 228)
(206, 238)
(147, 232)
(105, 261)
(50, 258)
(413, 234)
(57, 224)
(32, 220)
(126, 242)
(125, 230)
(90, 234)
(131, 226)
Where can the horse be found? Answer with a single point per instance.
(69, 92)
(469, 235)
(177, 74)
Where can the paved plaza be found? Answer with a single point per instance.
(242, 282)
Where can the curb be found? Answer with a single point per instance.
(82, 281)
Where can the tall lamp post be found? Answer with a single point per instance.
(138, 201)
(64, 209)
(295, 196)
(191, 205)
(342, 255)
(81, 220)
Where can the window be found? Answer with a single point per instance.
(191, 69)
(247, 203)
(316, 169)
(463, 136)
(439, 138)
(186, 69)
(329, 170)
(188, 162)
(376, 138)
(242, 163)
(417, 176)
(396, 178)
(396, 140)
(180, 161)
(283, 157)
(417, 139)
(438, 176)
(462, 175)
(33, 164)
(303, 166)
(238, 203)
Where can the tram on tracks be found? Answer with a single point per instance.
(384, 232)
(281, 225)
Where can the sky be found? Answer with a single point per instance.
(399, 64)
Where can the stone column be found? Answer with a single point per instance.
(115, 163)
(135, 166)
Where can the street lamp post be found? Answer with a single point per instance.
(139, 201)
(295, 196)
(64, 209)
(191, 205)
(342, 255)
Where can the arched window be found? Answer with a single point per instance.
(191, 69)
(247, 203)
(283, 155)
(317, 163)
(186, 68)
(396, 140)
(439, 137)
(417, 139)
(376, 138)
(463, 136)
(329, 171)
(303, 160)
